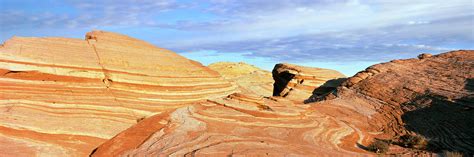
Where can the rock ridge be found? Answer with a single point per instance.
(87, 91)
(423, 96)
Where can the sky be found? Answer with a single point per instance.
(344, 35)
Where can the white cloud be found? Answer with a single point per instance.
(314, 18)
(284, 30)
(417, 22)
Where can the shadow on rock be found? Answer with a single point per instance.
(447, 124)
(281, 81)
(327, 88)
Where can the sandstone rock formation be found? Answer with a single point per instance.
(432, 96)
(384, 101)
(298, 82)
(64, 97)
(112, 95)
(215, 129)
(249, 78)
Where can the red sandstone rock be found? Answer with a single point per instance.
(221, 128)
(298, 82)
(64, 96)
(431, 97)
(374, 103)
(424, 56)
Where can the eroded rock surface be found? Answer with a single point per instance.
(66, 96)
(432, 96)
(376, 103)
(249, 78)
(233, 126)
(243, 123)
(299, 82)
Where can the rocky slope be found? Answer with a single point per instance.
(432, 96)
(64, 97)
(249, 78)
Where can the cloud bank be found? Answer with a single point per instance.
(341, 31)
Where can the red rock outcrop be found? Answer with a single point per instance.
(432, 96)
(298, 82)
(64, 97)
(243, 123)
(376, 103)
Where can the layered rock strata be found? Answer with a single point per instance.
(249, 78)
(299, 82)
(431, 96)
(394, 99)
(62, 96)
(235, 126)
(65, 97)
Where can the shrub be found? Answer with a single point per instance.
(413, 141)
(140, 119)
(264, 107)
(378, 146)
(451, 154)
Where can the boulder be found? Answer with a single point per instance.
(299, 82)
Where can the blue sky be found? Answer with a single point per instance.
(345, 35)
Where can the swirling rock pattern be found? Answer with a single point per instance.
(64, 97)
(249, 78)
(432, 96)
(230, 126)
(386, 100)
(242, 123)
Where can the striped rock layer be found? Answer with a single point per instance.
(387, 100)
(236, 125)
(299, 82)
(249, 78)
(431, 96)
(64, 97)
